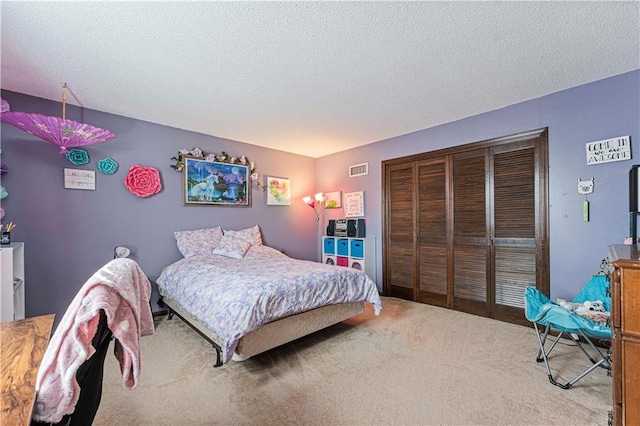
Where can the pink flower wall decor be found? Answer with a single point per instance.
(143, 181)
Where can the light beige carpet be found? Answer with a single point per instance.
(415, 364)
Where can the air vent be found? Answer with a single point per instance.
(359, 170)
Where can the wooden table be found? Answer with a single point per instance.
(22, 346)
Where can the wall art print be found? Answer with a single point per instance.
(354, 204)
(215, 184)
(334, 200)
(278, 191)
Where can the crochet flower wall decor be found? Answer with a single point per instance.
(108, 166)
(78, 156)
(220, 158)
(143, 181)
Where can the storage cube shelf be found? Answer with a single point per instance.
(357, 253)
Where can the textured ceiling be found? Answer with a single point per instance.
(311, 78)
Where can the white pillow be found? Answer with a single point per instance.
(231, 247)
(257, 252)
(198, 241)
(250, 235)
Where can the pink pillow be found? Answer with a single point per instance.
(198, 241)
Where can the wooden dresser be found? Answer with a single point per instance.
(625, 314)
(22, 346)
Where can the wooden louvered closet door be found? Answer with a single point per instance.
(514, 199)
(470, 237)
(467, 227)
(432, 232)
(400, 247)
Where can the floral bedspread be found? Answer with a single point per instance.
(233, 297)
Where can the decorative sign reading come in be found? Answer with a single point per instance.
(608, 150)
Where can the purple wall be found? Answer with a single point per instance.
(69, 234)
(595, 111)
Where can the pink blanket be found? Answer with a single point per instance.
(122, 290)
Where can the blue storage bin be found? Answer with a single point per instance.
(343, 247)
(357, 248)
(329, 246)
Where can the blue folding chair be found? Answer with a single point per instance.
(542, 312)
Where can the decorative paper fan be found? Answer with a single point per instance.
(55, 130)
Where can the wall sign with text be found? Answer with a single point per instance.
(353, 204)
(608, 150)
(79, 179)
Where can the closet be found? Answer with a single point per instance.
(466, 227)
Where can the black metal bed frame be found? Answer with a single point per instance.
(214, 344)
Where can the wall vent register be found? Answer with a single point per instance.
(359, 170)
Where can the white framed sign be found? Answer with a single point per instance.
(353, 204)
(608, 150)
(79, 179)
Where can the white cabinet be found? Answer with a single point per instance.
(12, 282)
(358, 253)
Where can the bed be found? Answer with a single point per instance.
(251, 300)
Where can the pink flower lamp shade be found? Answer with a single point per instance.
(61, 132)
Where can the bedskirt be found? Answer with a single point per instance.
(276, 333)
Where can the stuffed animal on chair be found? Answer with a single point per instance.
(589, 306)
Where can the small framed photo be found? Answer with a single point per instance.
(211, 183)
(278, 191)
(333, 200)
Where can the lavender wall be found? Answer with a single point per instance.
(69, 234)
(595, 111)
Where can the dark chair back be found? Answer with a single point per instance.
(89, 376)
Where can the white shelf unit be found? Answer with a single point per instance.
(358, 253)
(12, 282)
